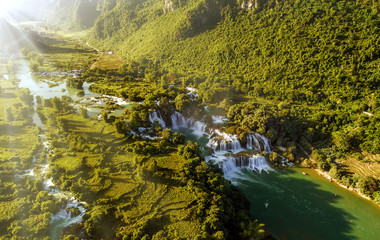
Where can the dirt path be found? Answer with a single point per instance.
(93, 65)
(100, 56)
(92, 47)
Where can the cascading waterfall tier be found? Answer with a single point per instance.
(179, 121)
(156, 116)
(231, 164)
(258, 142)
(64, 217)
(222, 141)
(223, 144)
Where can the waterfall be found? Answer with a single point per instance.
(179, 121)
(258, 163)
(221, 142)
(252, 142)
(266, 143)
(199, 128)
(219, 119)
(254, 163)
(224, 142)
(157, 116)
(258, 142)
(65, 213)
(231, 164)
(63, 218)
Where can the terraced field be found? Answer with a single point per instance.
(370, 168)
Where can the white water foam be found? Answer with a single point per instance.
(222, 141)
(232, 165)
(156, 116)
(179, 121)
(193, 93)
(63, 218)
(219, 119)
(258, 142)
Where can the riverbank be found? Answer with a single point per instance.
(354, 190)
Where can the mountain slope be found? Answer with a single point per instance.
(10, 37)
(321, 57)
(74, 14)
(310, 45)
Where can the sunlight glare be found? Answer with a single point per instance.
(5, 6)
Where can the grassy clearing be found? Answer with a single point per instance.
(65, 51)
(108, 61)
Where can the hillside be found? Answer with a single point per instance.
(292, 49)
(73, 14)
(310, 52)
(304, 73)
(10, 37)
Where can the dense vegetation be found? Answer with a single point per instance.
(303, 73)
(308, 70)
(138, 188)
(25, 206)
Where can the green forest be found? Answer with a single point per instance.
(322, 57)
(304, 74)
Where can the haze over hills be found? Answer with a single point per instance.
(10, 36)
(74, 14)
(27, 10)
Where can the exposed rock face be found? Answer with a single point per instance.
(247, 4)
(168, 6)
(252, 4)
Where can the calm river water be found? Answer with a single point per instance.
(297, 207)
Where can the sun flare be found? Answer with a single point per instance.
(5, 7)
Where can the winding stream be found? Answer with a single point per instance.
(292, 205)
(64, 217)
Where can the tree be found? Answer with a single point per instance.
(62, 125)
(83, 112)
(376, 196)
(34, 66)
(191, 150)
(179, 138)
(367, 185)
(119, 126)
(105, 116)
(181, 101)
(334, 172)
(10, 117)
(166, 134)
